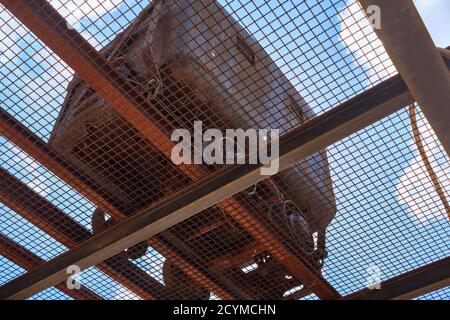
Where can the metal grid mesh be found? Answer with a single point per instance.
(442, 294)
(50, 294)
(385, 197)
(272, 64)
(9, 270)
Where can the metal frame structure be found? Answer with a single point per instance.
(26, 140)
(41, 18)
(41, 212)
(27, 260)
(408, 43)
(409, 285)
(217, 188)
(323, 131)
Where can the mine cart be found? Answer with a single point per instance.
(192, 61)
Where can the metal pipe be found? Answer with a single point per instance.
(423, 154)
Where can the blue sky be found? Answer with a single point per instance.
(381, 219)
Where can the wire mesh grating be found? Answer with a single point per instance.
(442, 294)
(272, 64)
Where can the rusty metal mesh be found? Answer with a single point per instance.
(442, 294)
(80, 138)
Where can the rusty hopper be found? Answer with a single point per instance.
(192, 61)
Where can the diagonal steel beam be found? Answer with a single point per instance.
(411, 49)
(37, 149)
(409, 285)
(315, 135)
(28, 261)
(46, 216)
(26, 140)
(43, 20)
(57, 224)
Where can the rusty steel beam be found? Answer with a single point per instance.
(409, 285)
(28, 261)
(238, 257)
(44, 21)
(231, 204)
(50, 27)
(212, 225)
(411, 49)
(317, 134)
(46, 216)
(26, 140)
(41, 152)
(185, 253)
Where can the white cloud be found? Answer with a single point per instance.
(41, 90)
(360, 39)
(10, 32)
(74, 11)
(415, 188)
(125, 294)
(50, 84)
